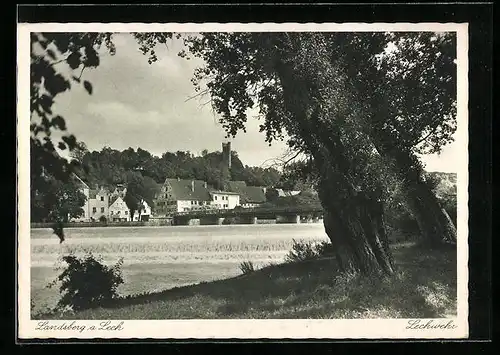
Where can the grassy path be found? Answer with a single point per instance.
(423, 287)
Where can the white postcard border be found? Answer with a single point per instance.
(244, 328)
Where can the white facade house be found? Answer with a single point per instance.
(118, 211)
(144, 214)
(98, 204)
(224, 200)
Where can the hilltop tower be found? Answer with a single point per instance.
(226, 154)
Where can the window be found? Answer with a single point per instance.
(102, 198)
(126, 212)
(192, 202)
(94, 209)
(118, 212)
(215, 198)
(102, 209)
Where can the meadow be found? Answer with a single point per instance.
(424, 286)
(159, 258)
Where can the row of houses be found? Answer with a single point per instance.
(174, 195)
(103, 204)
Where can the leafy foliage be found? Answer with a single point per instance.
(87, 283)
(140, 189)
(56, 201)
(304, 251)
(57, 61)
(109, 167)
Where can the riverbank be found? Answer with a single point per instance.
(424, 287)
(103, 224)
(150, 223)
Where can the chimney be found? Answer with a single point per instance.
(205, 184)
(192, 185)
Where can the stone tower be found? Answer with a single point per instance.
(226, 154)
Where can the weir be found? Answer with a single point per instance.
(212, 220)
(186, 221)
(294, 218)
(248, 220)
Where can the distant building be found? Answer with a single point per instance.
(250, 196)
(224, 200)
(118, 210)
(287, 193)
(98, 204)
(144, 214)
(119, 191)
(177, 195)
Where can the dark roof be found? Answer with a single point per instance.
(236, 185)
(181, 190)
(80, 181)
(223, 192)
(113, 199)
(254, 194)
(248, 194)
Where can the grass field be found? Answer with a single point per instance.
(424, 287)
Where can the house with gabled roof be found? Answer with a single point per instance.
(182, 195)
(98, 204)
(250, 196)
(179, 195)
(118, 210)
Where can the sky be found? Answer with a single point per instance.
(137, 104)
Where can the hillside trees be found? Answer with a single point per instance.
(56, 201)
(140, 189)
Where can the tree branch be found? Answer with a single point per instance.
(426, 136)
(202, 93)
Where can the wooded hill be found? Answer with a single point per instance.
(109, 167)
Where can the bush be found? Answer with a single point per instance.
(247, 267)
(302, 251)
(87, 283)
(103, 219)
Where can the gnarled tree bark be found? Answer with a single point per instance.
(353, 221)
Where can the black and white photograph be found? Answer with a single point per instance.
(242, 180)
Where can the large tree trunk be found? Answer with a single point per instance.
(353, 222)
(358, 235)
(434, 223)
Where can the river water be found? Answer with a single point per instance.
(157, 258)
